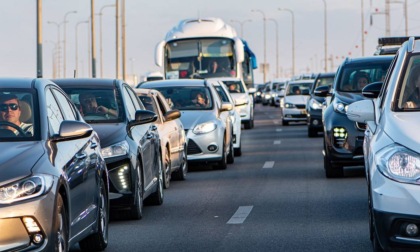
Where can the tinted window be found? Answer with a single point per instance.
(67, 109)
(54, 114)
(409, 97)
(185, 98)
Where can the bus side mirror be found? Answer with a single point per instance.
(160, 47)
(239, 50)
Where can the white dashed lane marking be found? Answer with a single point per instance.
(277, 142)
(279, 129)
(240, 215)
(268, 164)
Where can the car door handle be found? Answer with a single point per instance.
(93, 145)
(150, 136)
(154, 127)
(81, 155)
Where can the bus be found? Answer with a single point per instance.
(205, 48)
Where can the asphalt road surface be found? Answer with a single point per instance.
(275, 197)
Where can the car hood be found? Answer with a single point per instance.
(110, 133)
(240, 97)
(18, 158)
(401, 128)
(191, 118)
(296, 99)
(348, 97)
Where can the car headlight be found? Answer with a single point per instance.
(289, 105)
(314, 104)
(26, 188)
(204, 128)
(399, 163)
(115, 150)
(273, 95)
(340, 107)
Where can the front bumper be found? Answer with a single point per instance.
(122, 181)
(200, 146)
(294, 114)
(315, 119)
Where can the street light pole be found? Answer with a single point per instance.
(123, 56)
(293, 37)
(363, 30)
(39, 39)
(59, 48)
(117, 40)
(77, 48)
(100, 35)
(265, 44)
(93, 42)
(242, 25)
(64, 41)
(325, 37)
(277, 46)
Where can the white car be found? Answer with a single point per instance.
(234, 115)
(293, 104)
(391, 150)
(241, 95)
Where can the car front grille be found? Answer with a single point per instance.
(300, 106)
(193, 147)
(361, 126)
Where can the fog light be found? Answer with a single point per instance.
(315, 122)
(412, 230)
(37, 238)
(31, 225)
(212, 147)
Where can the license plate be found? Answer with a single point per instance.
(303, 112)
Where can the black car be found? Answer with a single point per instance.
(53, 179)
(130, 142)
(343, 139)
(315, 103)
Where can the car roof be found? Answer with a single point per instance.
(301, 81)
(330, 74)
(368, 59)
(88, 82)
(174, 83)
(17, 82)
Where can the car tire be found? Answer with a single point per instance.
(181, 173)
(312, 132)
(167, 170)
(238, 151)
(61, 229)
(156, 198)
(99, 240)
(284, 123)
(231, 155)
(136, 211)
(222, 164)
(331, 171)
(247, 124)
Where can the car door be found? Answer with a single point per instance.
(74, 158)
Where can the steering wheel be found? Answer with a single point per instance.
(19, 129)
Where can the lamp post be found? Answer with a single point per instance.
(293, 37)
(39, 38)
(277, 45)
(123, 41)
(77, 42)
(265, 43)
(92, 32)
(117, 40)
(64, 40)
(58, 43)
(241, 24)
(363, 30)
(325, 36)
(100, 35)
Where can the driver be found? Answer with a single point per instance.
(90, 106)
(10, 112)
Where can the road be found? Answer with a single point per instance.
(275, 197)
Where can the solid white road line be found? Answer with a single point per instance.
(268, 164)
(277, 142)
(240, 215)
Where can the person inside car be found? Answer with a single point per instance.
(233, 88)
(89, 105)
(296, 90)
(10, 111)
(362, 79)
(200, 100)
(413, 86)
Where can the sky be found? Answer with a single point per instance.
(147, 22)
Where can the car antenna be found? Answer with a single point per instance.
(74, 73)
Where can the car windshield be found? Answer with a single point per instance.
(409, 96)
(298, 88)
(187, 98)
(356, 77)
(324, 81)
(234, 86)
(18, 109)
(97, 105)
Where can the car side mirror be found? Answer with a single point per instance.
(322, 91)
(240, 102)
(172, 115)
(142, 117)
(372, 90)
(226, 106)
(361, 111)
(252, 90)
(73, 130)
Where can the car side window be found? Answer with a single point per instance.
(54, 114)
(384, 88)
(67, 108)
(135, 99)
(131, 109)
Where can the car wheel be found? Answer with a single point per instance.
(167, 170)
(231, 156)
(284, 123)
(331, 171)
(238, 151)
(156, 198)
(61, 229)
(136, 211)
(247, 124)
(99, 240)
(181, 173)
(312, 132)
(222, 164)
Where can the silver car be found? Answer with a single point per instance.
(293, 105)
(205, 118)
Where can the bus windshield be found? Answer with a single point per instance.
(200, 58)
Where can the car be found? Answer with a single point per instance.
(130, 141)
(315, 103)
(279, 93)
(240, 93)
(295, 98)
(391, 151)
(225, 96)
(173, 143)
(208, 126)
(343, 139)
(258, 93)
(270, 92)
(54, 182)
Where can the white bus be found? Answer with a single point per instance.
(205, 48)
